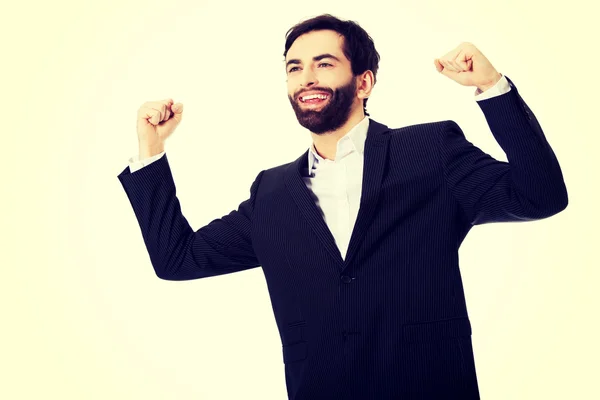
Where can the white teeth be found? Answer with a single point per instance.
(314, 96)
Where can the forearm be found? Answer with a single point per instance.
(534, 168)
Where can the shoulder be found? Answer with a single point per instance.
(429, 132)
(434, 127)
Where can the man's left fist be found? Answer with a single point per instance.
(468, 66)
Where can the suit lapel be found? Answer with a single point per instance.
(375, 154)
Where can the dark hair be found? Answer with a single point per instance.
(358, 45)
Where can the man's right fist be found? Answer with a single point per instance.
(155, 123)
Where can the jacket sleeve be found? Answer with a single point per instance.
(177, 252)
(529, 186)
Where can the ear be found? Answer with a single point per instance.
(364, 84)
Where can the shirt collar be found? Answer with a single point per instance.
(354, 140)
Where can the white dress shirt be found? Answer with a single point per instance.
(337, 184)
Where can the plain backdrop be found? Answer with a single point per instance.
(83, 314)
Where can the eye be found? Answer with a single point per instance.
(323, 63)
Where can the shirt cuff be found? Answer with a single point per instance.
(501, 87)
(135, 163)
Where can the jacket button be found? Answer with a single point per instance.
(346, 279)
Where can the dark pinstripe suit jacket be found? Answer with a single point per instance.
(389, 321)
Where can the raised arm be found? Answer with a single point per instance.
(529, 186)
(177, 252)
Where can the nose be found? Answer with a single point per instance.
(308, 78)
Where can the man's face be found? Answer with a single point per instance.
(329, 76)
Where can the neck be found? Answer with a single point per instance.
(326, 143)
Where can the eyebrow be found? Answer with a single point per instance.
(315, 58)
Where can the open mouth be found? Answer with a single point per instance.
(314, 99)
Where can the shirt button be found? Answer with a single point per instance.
(346, 279)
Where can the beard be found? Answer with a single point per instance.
(332, 115)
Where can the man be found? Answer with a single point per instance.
(358, 238)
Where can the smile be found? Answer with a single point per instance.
(314, 99)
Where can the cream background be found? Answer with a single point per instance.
(84, 316)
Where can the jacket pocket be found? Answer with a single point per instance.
(440, 329)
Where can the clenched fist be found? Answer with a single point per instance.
(467, 65)
(155, 123)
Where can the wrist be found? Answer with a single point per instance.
(490, 84)
(147, 150)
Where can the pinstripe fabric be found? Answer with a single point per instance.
(389, 321)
